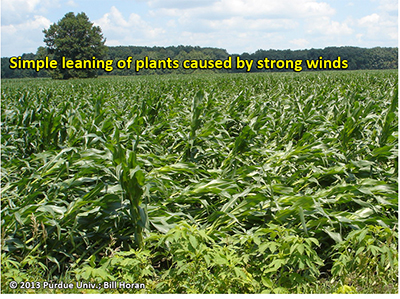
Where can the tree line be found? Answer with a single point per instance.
(358, 59)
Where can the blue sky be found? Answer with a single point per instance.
(235, 25)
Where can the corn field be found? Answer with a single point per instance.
(220, 183)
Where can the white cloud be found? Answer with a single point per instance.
(243, 24)
(232, 24)
(234, 20)
(171, 23)
(72, 3)
(23, 37)
(15, 11)
(221, 8)
(134, 30)
(327, 27)
(300, 42)
(19, 5)
(22, 22)
(378, 27)
(39, 22)
(388, 5)
(178, 3)
(18, 11)
(235, 41)
(370, 20)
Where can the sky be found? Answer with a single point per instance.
(235, 25)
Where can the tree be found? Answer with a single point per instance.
(75, 38)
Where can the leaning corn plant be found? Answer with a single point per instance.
(131, 179)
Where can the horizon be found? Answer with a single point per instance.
(230, 54)
(238, 26)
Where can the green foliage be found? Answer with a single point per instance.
(367, 253)
(199, 265)
(128, 266)
(10, 270)
(74, 38)
(345, 290)
(285, 258)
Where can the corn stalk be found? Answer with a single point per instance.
(131, 179)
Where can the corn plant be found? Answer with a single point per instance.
(131, 179)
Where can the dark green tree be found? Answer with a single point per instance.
(75, 38)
